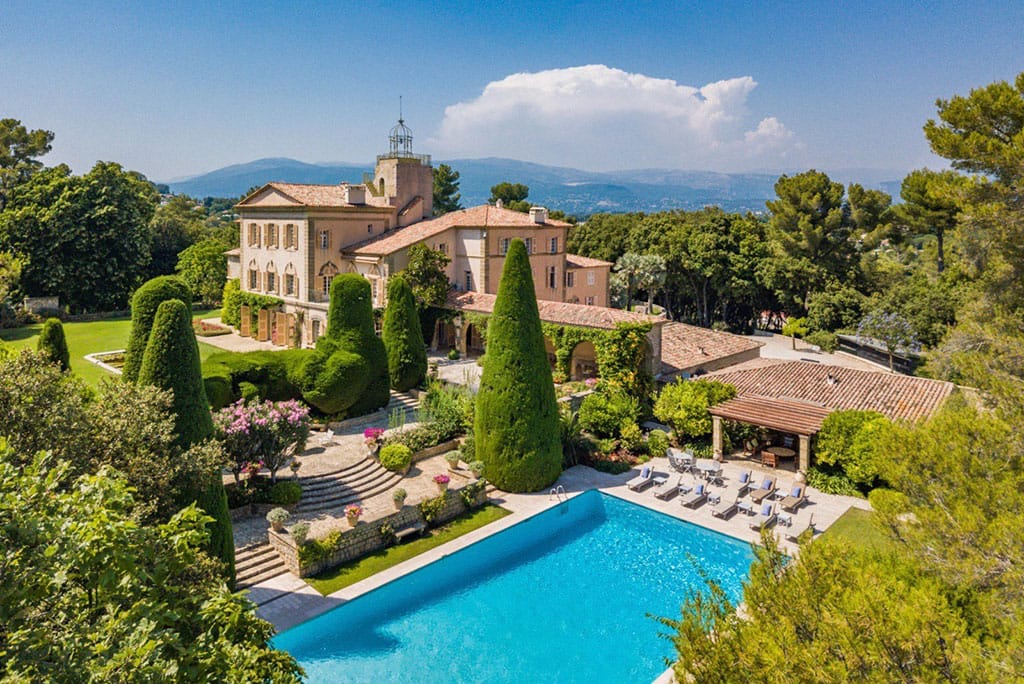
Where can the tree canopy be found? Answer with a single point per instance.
(446, 190)
(512, 195)
(19, 148)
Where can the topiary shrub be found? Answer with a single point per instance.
(350, 323)
(604, 413)
(145, 302)
(395, 457)
(171, 362)
(285, 493)
(403, 338)
(516, 419)
(53, 344)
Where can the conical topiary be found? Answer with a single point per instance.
(53, 344)
(403, 338)
(144, 304)
(517, 427)
(171, 362)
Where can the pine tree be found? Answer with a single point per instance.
(403, 338)
(53, 344)
(517, 423)
(171, 362)
(144, 304)
(446, 190)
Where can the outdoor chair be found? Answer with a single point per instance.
(797, 531)
(797, 497)
(766, 489)
(643, 480)
(765, 519)
(728, 510)
(696, 497)
(668, 489)
(681, 461)
(743, 483)
(768, 458)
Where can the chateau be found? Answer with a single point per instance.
(296, 237)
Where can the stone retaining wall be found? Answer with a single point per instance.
(442, 448)
(365, 537)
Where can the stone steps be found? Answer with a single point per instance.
(257, 563)
(347, 485)
(403, 401)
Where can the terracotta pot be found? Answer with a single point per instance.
(353, 520)
(277, 526)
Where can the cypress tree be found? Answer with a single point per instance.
(53, 344)
(171, 362)
(403, 338)
(144, 304)
(517, 423)
(350, 330)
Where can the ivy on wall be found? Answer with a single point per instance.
(619, 353)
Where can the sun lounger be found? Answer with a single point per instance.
(766, 489)
(643, 480)
(668, 489)
(797, 497)
(766, 518)
(743, 483)
(727, 510)
(696, 497)
(797, 530)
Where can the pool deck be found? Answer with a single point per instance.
(286, 600)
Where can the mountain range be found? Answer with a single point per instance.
(574, 191)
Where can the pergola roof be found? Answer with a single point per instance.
(796, 417)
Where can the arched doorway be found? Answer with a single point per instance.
(474, 342)
(583, 362)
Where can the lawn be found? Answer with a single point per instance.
(859, 527)
(88, 338)
(353, 571)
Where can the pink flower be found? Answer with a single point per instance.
(442, 479)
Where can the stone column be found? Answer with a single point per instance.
(805, 453)
(716, 436)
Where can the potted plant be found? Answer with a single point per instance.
(299, 531)
(373, 437)
(477, 468)
(396, 458)
(442, 482)
(453, 458)
(398, 496)
(277, 517)
(352, 513)
(295, 465)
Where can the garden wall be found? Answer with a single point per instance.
(365, 538)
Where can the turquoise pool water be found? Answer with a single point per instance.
(561, 597)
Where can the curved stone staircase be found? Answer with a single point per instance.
(343, 486)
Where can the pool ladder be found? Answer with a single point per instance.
(558, 493)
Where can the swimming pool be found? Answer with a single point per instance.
(562, 596)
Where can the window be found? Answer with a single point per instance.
(325, 284)
(271, 281)
(325, 239)
(291, 236)
(469, 281)
(373, 289)
(254, 279)
(289, 284)
(503, 245)
(590, 278)
(570, 279)
(552, 277)
(254, 235)
(442, 248)
(554, 245)
(590, 301)
(316, 329)
(369, 228)
(529, 245)
(271, 235)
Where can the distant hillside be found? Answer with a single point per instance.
(571, 190)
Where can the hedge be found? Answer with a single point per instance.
(517, 424)
(145, 302)
(403, 338)
(53, 344)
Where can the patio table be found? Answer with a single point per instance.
(781, 451)
(746, 507)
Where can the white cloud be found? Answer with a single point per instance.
(598, 117)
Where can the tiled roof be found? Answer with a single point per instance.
(237, 251)
(577, 261)
(484, 216)
(688, 347)
(554, 312)
(309, 195)
(776, 414)
(900, 397)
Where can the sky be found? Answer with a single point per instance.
(181, 88)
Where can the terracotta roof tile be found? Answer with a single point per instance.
(900, 397)
(688, 347)
(554, 312)
(777, 414)
(483, 216)
(310, 195)
(577, 261)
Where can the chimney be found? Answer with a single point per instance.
(354, 194)
(539, 214)
(499, 204)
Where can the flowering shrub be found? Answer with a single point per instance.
(268, 432)
(373, 433)
(442, 479)
(591, 383)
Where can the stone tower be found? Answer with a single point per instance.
(404, 179)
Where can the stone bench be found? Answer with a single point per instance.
(412, 529)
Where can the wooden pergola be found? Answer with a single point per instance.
(786, 415)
